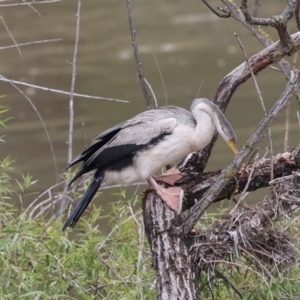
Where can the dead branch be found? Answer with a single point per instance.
(279, 22)
(224, 14)
(261, 35)
(195, 186)
(251, 233)
(137, 56)
(273, 21)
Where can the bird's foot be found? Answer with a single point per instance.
(172, 196)
(169, 177)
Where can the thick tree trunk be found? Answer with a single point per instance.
(177, 274)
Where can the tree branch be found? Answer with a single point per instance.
(284, 164)
(136, 56)
(263, 37)
(279, 22)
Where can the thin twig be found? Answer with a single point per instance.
(287, 128)
(287, 112)
(152, 92)
(136, 55)
(43, 207)
(199, 88)
(29, 3)
(226, 14)
(141, 233)
(59, 91)
(244, 192)
(48, 191)
(30, 43)
(244, 170)
(9, 33)
(41, 119)
(71, 102)
(162, 79)
(261, 103)
(35, 10)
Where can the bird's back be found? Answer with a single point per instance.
(171, 111)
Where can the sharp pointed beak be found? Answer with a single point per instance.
(232, 145)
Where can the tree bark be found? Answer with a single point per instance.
(177, 273)
(174, 256)
(195, 186)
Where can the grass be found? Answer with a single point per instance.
(38, 261)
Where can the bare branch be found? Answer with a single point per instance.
(59, 91)
(30, 43)
(136, 56)
(30, 3)
(287, 127)
(10, 34)
(71, 102)
(259, 172)
(261, 103)
(162, 80)
(257, 31)
(225, 14)
(246, 187)
(279, 22)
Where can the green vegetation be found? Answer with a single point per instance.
(39, 261)
(37, 258)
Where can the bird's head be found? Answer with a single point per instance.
(222, 125)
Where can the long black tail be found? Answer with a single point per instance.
(85, 201)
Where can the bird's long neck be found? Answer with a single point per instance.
(204, 130)
(216, 116)
(219, 120)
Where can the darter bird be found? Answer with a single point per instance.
(134, 150)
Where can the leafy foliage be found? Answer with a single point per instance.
(39, 261)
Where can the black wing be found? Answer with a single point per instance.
(115, 148)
